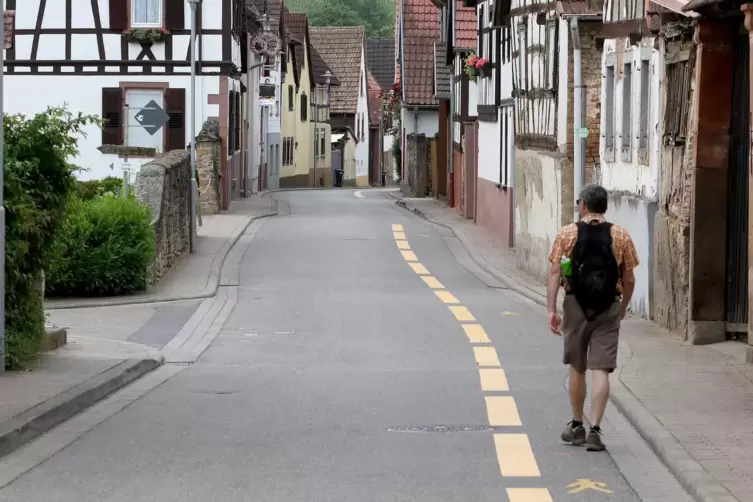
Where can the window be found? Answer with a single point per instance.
(146, 13)
(551, 54)
(363, 126)
(609, 115)
(136, 101)
(643, 121)
(627, 109)
(507, 135)
(358, 125)
(288, 147)
(322, 144)
(523, 56)
(678, 96)
(304, 107)
(291, 99)
(316, 142)
(506, 44)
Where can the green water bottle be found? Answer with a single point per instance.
(566, 265)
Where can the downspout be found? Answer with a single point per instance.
(579, 164)
(403, 139)
(451, 146)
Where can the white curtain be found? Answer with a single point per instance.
(147, 12)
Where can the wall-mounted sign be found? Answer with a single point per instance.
(267, 90)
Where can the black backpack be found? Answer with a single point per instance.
(595, 272)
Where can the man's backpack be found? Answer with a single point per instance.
(595, 272)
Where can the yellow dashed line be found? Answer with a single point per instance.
(515, 456)
(399, 236)
(419, 269)
(529, 495)
(462, 313)
(493, 380)
(432, 282)
(476, 333)
(402, 244)
(446, 297)
(409, 255)
(397, 228)
(502, 411)
(486, 356)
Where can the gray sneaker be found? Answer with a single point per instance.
(594, 442)
(575, 435)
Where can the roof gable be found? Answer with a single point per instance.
(380, 57)
(341, 48)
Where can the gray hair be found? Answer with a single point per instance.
(595, 198)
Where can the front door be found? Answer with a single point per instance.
(736, 297)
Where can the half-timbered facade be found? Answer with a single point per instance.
(114, 57)
(496, 128)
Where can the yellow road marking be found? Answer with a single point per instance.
(403, 245)
(409, 255)
(424, 235)
(588, 484)
(509, 313)
(502, 411)
(446, 297)
(432, 282)
(399, 235)
(397, 228)
(493, 380)
(486, 356)
(419, 269)
(476, 333)
(529, 495)
(461, 313)
(515, 456)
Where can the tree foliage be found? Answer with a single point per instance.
(378, 16)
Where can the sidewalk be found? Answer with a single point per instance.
(692, 404)
(114, 341)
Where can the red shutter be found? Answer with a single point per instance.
(175, 106)
(112, 114)
(175, 14)
(119, 14)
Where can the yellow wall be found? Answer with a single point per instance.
(289, 118)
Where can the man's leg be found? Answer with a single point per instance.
(575, 339)
(599, 395)
(578, 389)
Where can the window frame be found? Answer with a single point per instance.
(644, 121)
(143, 86)
(608, 84)
(626, 107)
(139, 26)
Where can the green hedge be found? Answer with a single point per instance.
(38, 183)
(91, 189)
(105, 248)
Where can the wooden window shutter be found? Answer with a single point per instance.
(304, 107)
(119, 14)
(112, 114)
(231, 122)
(238, 121)
(175, 106)
(175, 14)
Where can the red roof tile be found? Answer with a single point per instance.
(466, 26)
(421, 30)
(341, 48)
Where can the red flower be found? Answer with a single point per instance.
(472, 60)
(396, 87)
(481, 63)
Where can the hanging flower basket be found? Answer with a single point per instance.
(470, 67)
(484, 67)
(147, 35)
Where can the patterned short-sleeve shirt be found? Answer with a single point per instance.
(622, 245)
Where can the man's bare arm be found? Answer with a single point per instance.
(552, 287)
(628, 286)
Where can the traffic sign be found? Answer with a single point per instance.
(152, 117)
(582, 132)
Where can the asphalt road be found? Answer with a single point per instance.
(349, 370)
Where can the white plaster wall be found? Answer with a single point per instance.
(473, 98)
(84, 94)
(387, 142)
(633, 176)
(428, 122)
(489, 151)
(563, 78)
(362, 110)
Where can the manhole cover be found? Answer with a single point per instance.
(442, 428)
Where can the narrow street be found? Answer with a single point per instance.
(365, 358)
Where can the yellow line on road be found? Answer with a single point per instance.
(409, 255)
(476, 333)
(446, 297)
(486, 356)
(399, 235)
(432, 282)
(403, 245)
(462, 313)
(502, 411)
(493, 380)
(419, 269)
(529, 495)
(397, 228)
(515, 456)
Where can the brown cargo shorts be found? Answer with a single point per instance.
(590, 344)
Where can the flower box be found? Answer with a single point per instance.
(147, 35)
(485, 71)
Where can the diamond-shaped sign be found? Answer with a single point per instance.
(152, 117)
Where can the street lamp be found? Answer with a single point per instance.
(194, 185)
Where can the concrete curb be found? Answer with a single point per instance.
(36, 421)
(211, 290)
(690, 474)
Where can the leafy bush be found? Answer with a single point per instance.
(38, 183)
(106, 247)
(90, 189)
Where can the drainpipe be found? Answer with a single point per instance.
(579, 167)
(452, 112)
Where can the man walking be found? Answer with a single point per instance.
(594, 261)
